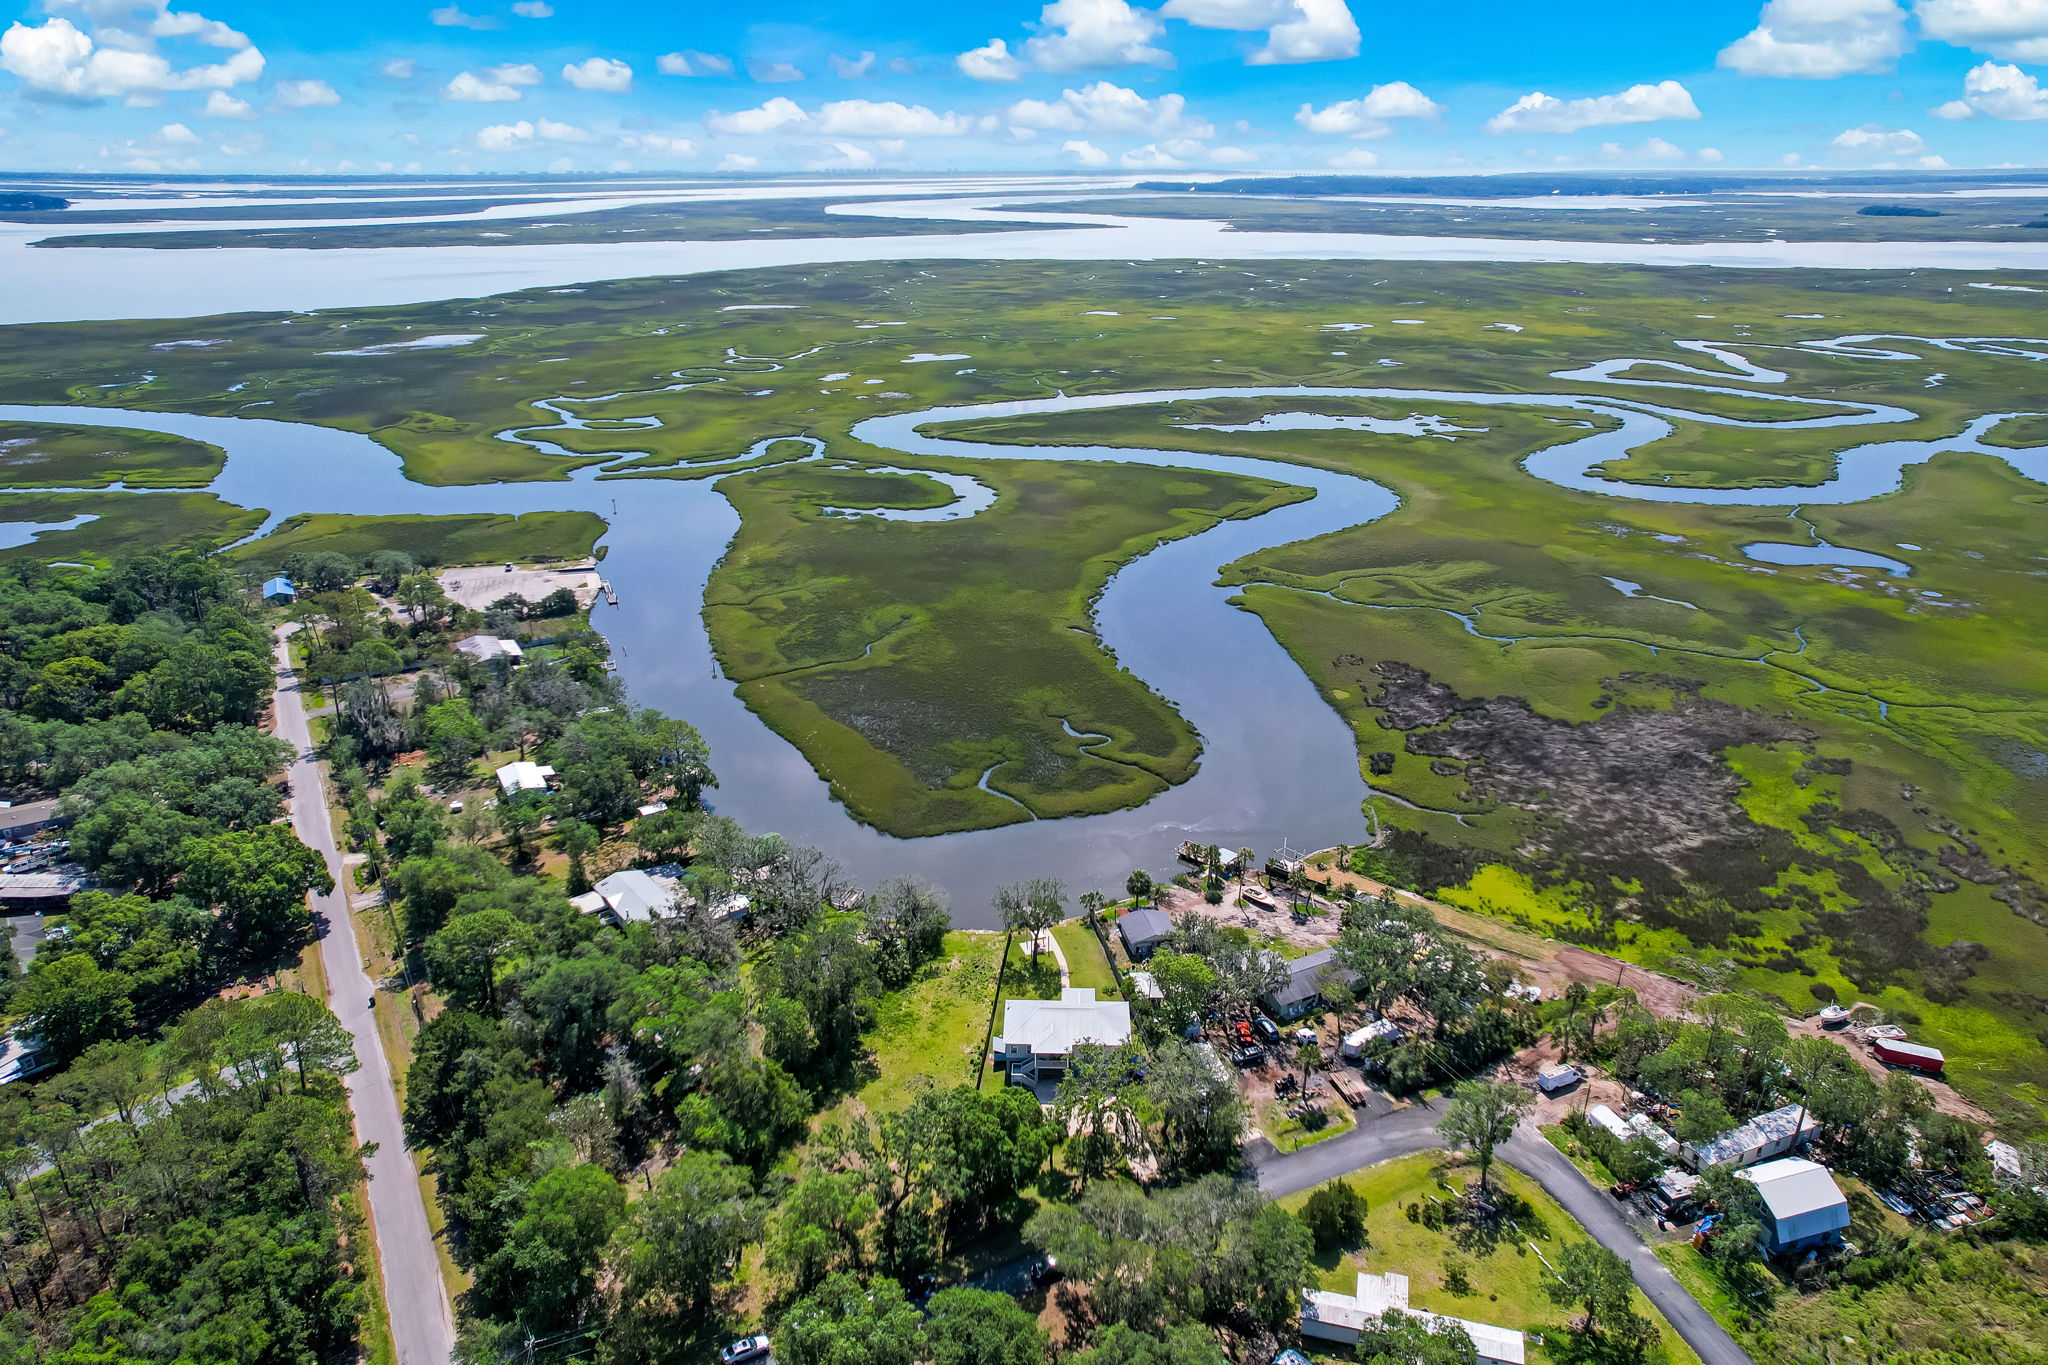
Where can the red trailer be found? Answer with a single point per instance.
(1916, 1056)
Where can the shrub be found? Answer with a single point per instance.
(1335, 1217)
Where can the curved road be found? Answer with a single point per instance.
(1414, 1130)
(422, 1327)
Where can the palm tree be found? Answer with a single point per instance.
(1308, 1057)
(1138, 884)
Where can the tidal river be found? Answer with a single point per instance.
(1277, 762)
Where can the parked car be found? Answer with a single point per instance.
(1045, 1270)
(1251, 1054)
(1267, 1030)
(744, 1350)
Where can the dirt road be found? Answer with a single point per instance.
(422, 1327)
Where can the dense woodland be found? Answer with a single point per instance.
(180, 1187)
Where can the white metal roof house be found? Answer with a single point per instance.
(1304, 988)
(1142, 931)
(484, 648)
(1039, 1035)
(1803, 1208)
(631, 895)
(1330, 1316)
(1763, 1137)
(514, 779)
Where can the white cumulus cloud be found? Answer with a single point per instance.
(453, 16)
(1296, 30)
(534, 9)
(887, 118)
(1874, 139)
(773, 116)
(991, 61)
(1992, 90)
(2016, 30)
(1150, 157)
(688, 63)
(658, 144)
(305, 95)
(57, 58)
(510, 137)
(1085, 153)
(774, 73)
(1075, 35)
(1819, 39)
(1654, 149)
(177, 135)
(851, 68)
(492, 85)
(220, 104)
(1371, 114)
(738, 161)
(1541, 113)
(1106, 108)
(399, 69)
(842, 156)
(1357, 159)
(602, 74)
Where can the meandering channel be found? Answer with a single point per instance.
(1278, 763)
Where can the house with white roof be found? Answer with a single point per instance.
(629, 896)
(1803, 1207)
(1040, 1035)
(484, 648)
(1767, 1135)
(1329, 1316)
(516, 779)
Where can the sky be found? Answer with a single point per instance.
(1112, 86)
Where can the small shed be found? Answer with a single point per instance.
(279, 591)
(1913, 1056)
(1142, 931)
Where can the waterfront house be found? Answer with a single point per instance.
(1142, 931)
(1306, 980)
(1040, 1035)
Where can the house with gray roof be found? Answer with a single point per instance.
(1142, 931)
(1306, 978)
(1767, 1135)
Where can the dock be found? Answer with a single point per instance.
(611, 594)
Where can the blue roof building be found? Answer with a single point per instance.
(279, 590)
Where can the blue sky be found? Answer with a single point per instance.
(241, 86)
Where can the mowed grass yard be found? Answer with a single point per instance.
(929, 1034)
(1506, 1271)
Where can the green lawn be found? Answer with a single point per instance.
(1505, 1271)
(1086, 964)
(1292, 1134)
(929, 1034)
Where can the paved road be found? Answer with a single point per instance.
(1414, 1130)
(422, 1326)
(1594, 1209)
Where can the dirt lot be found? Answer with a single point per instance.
(476, 588)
